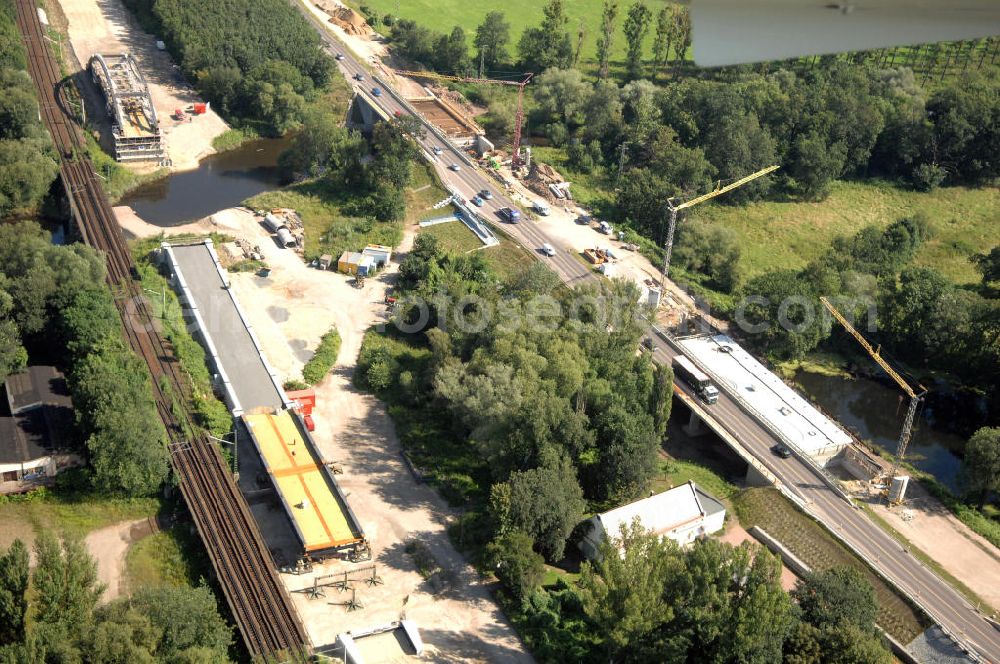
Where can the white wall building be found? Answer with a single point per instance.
(682, 514)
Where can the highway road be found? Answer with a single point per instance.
(942, 602)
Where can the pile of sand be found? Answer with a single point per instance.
(346, 18)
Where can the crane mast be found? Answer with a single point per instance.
(668, 247)
(915, 398)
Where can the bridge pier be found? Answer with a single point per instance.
(694, 426)
(756, 478)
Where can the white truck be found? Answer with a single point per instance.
(542, 208)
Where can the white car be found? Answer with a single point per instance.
(437, 151)
(455, 167)
(339, 56)
(548, 250)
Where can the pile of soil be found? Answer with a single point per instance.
(348, 19)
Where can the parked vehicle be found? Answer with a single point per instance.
(693, 376)
(510, 214)
(605, 228)
(541, 208)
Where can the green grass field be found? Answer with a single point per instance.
(445, 14)
(173, 557)
(508, 258)
(788, 235)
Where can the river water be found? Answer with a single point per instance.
(875, 412)
(220, 181)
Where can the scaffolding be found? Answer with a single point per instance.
(135, 128)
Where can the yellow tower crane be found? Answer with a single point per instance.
(668, 248)
(915, 398)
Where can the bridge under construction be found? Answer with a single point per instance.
(134, 125)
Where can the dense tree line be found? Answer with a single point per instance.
(166, 624)
(560, 409)
(28, 162)
(253, 59)
(54, 297)
(920, 316)
(446, 53)
(646, 600)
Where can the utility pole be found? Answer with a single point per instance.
(668, 247)
(621, 161)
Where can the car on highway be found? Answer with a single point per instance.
(648, 344)
(487, 194)
(455, 167)
(781, 451)
(548, 250)
(339, 56)
(437, 151)
(359, 77)
(377, 92)
(477, 201)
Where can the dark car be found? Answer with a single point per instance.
(781, 451)
(486, 194)
(359, 77)
(648, 344)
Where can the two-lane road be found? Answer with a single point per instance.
(940, 600)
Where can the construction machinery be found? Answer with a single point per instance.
(915, 397)
(668, 247)
(518, 117)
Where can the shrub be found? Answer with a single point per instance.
(322, 361)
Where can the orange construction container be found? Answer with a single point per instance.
(200, 108)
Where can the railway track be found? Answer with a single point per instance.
(245, 569)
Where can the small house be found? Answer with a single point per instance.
(36, 427)
(379, 252)
(682, 514)
(352, 262)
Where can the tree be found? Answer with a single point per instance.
(816, 164)
(605, 40)
(682, 31)
(981, 463)
(323, 146)
(27, 169)
(663, 40)
(13, 356)
(988, 265)
(451, 53)
(635, 28)
(623, 589)
(780, 314)
(712, 250)
(512, 558)
(65, 582)
(548, 45)
(837, 596)
(492, 38)
(13, 586)
(546, 503)
(18, 113)
(186, 618)
(562, 94)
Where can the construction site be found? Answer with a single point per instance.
(135, 128)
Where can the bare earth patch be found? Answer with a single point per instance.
(105, 26)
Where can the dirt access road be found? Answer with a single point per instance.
(290, 310)
(105, 26)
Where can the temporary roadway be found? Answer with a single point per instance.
(936, 597)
